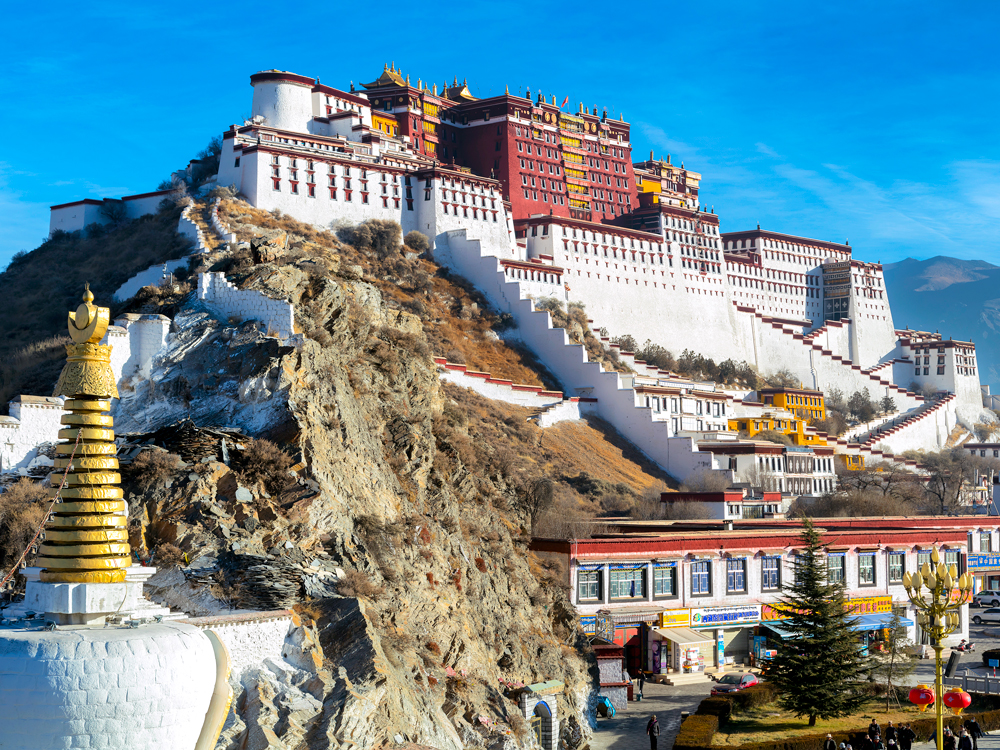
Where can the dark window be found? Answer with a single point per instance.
(701, 578)
(770, 570)
(588, 585)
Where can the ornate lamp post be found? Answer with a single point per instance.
(937, 613)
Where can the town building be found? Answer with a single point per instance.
(794, 471)
(705, 595)
(732, 504)
(802, 402)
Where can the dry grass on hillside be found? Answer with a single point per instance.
(39, 287)
(497, 437)
(456, 318)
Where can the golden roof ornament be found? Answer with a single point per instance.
(86, 540)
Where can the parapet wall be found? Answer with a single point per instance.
(251, 638)
(246, 304)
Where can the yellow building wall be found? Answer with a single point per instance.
(387, 125)
(793, 428)
(813, 408)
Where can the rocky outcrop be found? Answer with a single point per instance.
(410, 554)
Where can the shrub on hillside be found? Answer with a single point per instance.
(22, 509)
(417, 241)
(263, 461)
(151, 468)
(380, 237)
(356, 584)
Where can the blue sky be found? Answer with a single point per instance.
(869, 121)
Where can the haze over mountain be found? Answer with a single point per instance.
(959, 298)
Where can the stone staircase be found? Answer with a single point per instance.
(610, 394)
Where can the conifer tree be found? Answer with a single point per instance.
(817, 668)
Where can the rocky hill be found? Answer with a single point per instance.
(959, 298)
(390, 510)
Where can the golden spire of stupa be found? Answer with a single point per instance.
(86, 540)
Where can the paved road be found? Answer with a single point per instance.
(627, 731)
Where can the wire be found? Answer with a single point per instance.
(45, 518)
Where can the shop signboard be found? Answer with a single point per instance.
(865, 605)
(744, 614)
(982, 562)
(869, 605)
(675, 618)
(589, 625)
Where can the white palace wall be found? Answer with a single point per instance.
(568, 361)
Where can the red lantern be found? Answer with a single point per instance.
(957, 700)
(922, 696)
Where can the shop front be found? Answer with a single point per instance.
(872, 618)
(628, 630)
(986, 571)
(675, 647)
(693, 640)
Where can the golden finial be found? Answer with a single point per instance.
(86, 541)
(88, 296)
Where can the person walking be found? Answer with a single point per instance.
(653, 730)
(874, 730)
(891, 735)
(965, 741)
(950, 742)
(642, 681)
(906, 737)
(829, 743)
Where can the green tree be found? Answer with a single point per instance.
(893, 666)
(818, 670)
(887, 405)
(861, 407)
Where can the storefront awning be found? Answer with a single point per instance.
(878, 621)
(682, 636)
(861, 622)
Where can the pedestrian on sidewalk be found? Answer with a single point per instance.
(965, 741)
(653, 730)
(874, 730)
(829, 743)
(642, 681)
(891, 735)
(906, 737)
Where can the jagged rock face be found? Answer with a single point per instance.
(212, 372)
(444, 601)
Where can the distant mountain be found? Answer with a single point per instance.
(959, 298)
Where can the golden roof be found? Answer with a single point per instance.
(390, 77)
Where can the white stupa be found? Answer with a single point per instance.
(86, 661)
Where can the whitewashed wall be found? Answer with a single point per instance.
(230, 302)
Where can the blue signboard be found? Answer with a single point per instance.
(983, 562)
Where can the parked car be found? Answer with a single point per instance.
(736, 681)
(989, 616)
(986, 598)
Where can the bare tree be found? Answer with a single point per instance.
(535, 495)
(706, 480)
(759, 477)
(950, 475)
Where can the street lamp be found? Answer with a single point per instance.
(937, 613)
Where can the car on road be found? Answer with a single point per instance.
(986, 598)
(989, 616)
(736, 681)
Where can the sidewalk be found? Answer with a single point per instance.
(627, 731)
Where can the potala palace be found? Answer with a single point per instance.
(529, 201)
